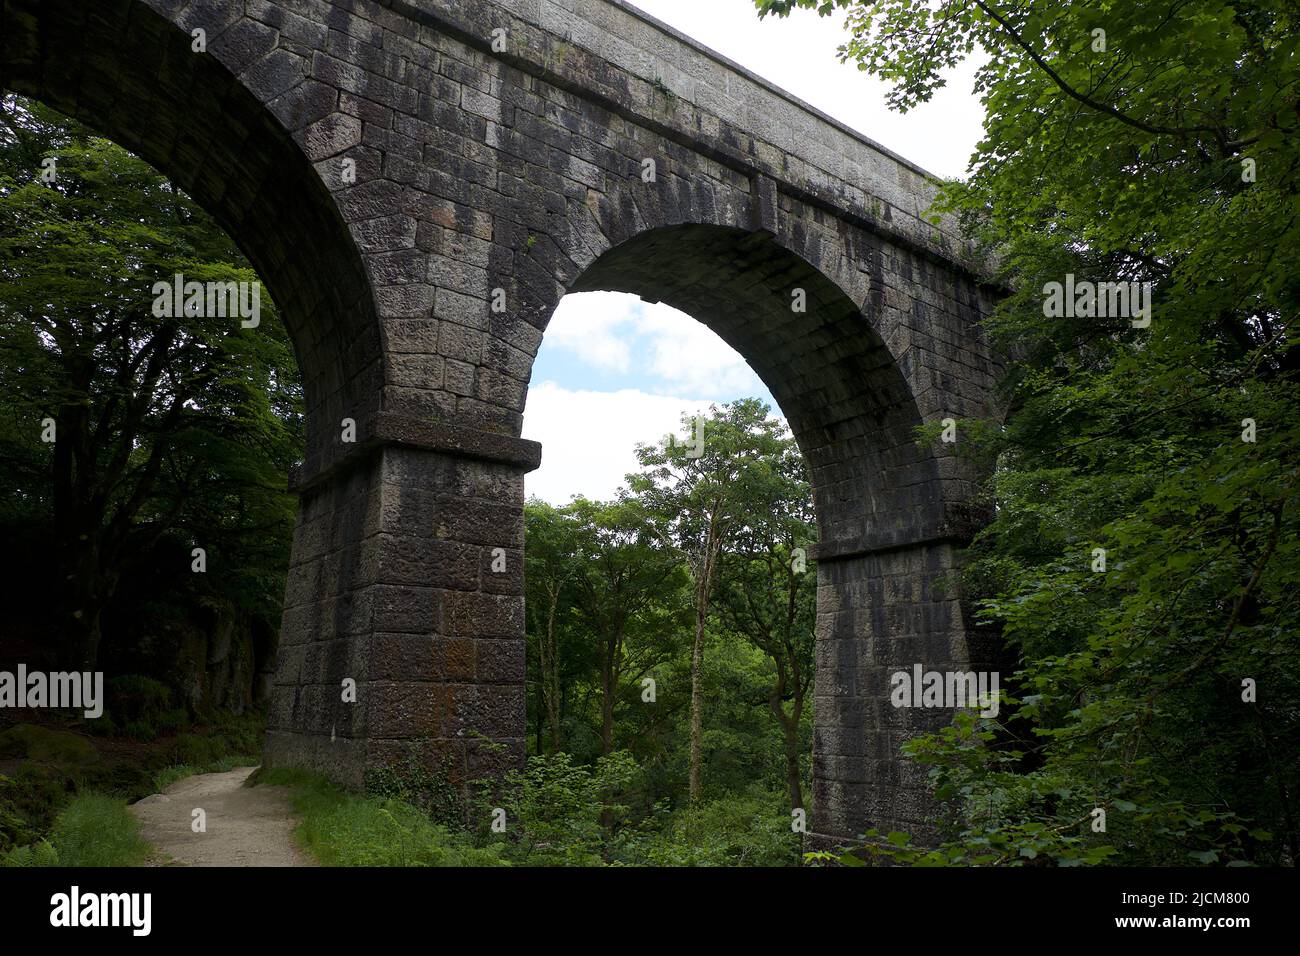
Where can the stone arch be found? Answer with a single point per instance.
(238, 127)
(848, 403)
(892, 512)
(127, 69)
(521, 172)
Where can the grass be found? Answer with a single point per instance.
(58, 759)
(97, 829)
(92, 830)
(346, 829)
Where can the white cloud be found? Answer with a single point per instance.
(664, 350)
(690, 357)
(590, 326)
(589, 438)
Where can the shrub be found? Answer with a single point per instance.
(29, 802)
(562, 813)
(428, 790)
(38, 854)
(748, 829)
(345, 829)
(93, 830)
(134, 697)
(46, 745)
(171, 721)
(140, 730)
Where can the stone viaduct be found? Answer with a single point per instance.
(419, 182)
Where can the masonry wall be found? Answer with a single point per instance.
(407, 176)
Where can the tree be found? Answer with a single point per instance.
(550, 568)
(767, 593)
(1144, 556)
(155, 425)
(626, 589)
(698, 494)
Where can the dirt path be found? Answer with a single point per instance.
(246, 826)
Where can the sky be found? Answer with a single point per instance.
(613, 370)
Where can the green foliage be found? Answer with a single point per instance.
(46, 745)
(140, 730)
(98, 830)
(563, 812)
(557, 813)
(16, 828)
(701, 495)
(170, 432)
(344, 829)
(736, 485)
(614, 593)
(745, 828)
(220, 735)
(93, 830)
(135, 698)
(38, 854)
(415, 784)
(1161, 151)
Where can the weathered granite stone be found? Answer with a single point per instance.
(418, 202)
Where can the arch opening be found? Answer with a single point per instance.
(850, 407)
(835, 379)
(148, 441)
(129, 70)
(611, 623)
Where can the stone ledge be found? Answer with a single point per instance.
(847, 549)
(389, 428)
(953, 524)
(913, 233)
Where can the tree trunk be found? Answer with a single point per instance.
(703, 589)
(792, 777)
(86, 591)
(697, 665)
(607, 702)
(608, 685)
(538, 728)
(789, 729)
(551, 680)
